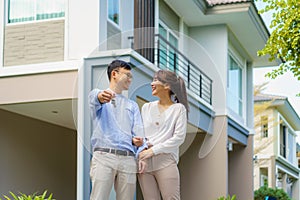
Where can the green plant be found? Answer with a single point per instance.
(227, 198)
(34, 196)
(264, 191)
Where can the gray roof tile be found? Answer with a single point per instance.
(219, 2)
(268, 97)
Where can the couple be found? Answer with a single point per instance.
(121, 136)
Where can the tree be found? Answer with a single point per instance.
(284, 41)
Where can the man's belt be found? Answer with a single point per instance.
(115, 151)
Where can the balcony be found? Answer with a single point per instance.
(166, 56)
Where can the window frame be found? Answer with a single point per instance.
(264, 120)
(117, 25)
(289, 131)
(168, 33)
(234, 56)
(35, 20)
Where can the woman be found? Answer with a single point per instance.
(165, 123)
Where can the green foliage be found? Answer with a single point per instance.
(284, 41)
(264, 191)
(22, 196)
(227, 198)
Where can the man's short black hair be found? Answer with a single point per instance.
(115, 65)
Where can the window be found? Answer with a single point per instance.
(31, 10)
(283, 145)
(234, 87)
(263, 177)
(114, 11)
(291, 147)
(167, 49)
(264, 126)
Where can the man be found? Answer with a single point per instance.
(117, 128)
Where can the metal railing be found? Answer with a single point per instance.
(167, 56)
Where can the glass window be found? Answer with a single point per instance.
(114, 11)
(234, 87)
(167, 49)
(291, 149)
(163, 55)
(263, 176)
(30, 10)
(264, 126)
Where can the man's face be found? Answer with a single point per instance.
(123, 78)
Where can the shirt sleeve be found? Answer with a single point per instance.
(94, 102)
(178, 137)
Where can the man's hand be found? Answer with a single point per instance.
(105, 96)
(146, 154)
(142, 166)
(137, 141)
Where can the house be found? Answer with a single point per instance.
(275, 149)
(54, 52)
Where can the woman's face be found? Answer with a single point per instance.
(158, 88)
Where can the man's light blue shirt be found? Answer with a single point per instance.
(115, 123)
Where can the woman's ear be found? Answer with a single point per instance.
(167, 86)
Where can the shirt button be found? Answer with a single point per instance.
(157, 123)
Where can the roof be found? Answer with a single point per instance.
(219, 2)
(268, 97)
(282, 104)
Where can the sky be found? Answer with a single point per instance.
(284, 85)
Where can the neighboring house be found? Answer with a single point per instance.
(298, 154)
(276, 162)
(55, 52)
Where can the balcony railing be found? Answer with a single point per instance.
(166, 56)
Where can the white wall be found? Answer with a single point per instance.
(211, 54)
(82, 28)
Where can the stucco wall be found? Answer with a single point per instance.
(208, 47)
(203, 167)
(36, 156)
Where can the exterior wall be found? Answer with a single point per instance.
(210, 52)
(203, 167)
(37, 42)
(82, 28)
(263, 163)
(168, 16)
(36, 156)
(241, 170)
(265, 146)
(38, 87)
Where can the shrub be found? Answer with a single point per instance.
(265, 191)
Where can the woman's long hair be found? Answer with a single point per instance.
(176, 84)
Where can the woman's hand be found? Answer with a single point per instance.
(148, 153)
(142, 166)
